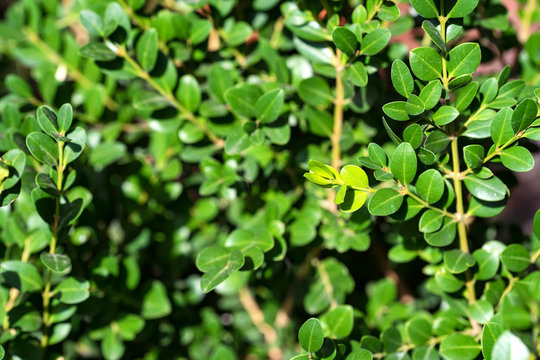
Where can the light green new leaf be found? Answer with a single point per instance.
(426, 63)
(385, 202)
(404, 163)
(345, 40)
(464, 59)
(310, 335)
(375, 41)
(517, 158)
(402, 78)
(268, 107)
(147, 49)
(430, 186)
(459, 347)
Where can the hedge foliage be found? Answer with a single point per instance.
(220, 179)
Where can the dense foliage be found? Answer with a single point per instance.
(153, 193)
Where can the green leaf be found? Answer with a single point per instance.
(459, 347)
(43, 148)
(457, 261)
(443, 237)
(434, 34)
(58, 263)
(97, 51)
(92, 22)
(112, 346)
(414, 105)
(338, 322)
(360, 354)
(324, 170)
(403, 163)
(17, 85)
(430, 221)
(345, 40)
(489, 90)
(269, 105)
(524, 115)
(385, 202)
(426, 63)
(511, 89)
(242, 99)
(430, 186)
(473, 155)
(352, 200)
(419, 330)
(466, 96)
(509, 346)
(72, 291)
(310, 335)
(47, 120)
(462, 8)
(212, 257)
(74, 148)
(354, 176)
(413, 135)
(21, 275)
(501, 127)
(375, 41)
(492, 189)
(515, 257)
(156, 303)
(445, 115)
(431, 94)
(315, 91)
(481, 311)
(459, 81)
(65, 117)
(356, 73)
(426, 8)
(147, 49)
(395, 139)
(377, 155)
(517, 158)
(388, 11)
(189, 92)
(396, 110)
(536, 224)
(490, 333)
(402, 78)
(463, 59)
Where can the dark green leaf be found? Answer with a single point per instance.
(310, 335)
(345, 40)
(517, 158)
(402, 78)
(403, 163)
(426, 63)
(43, 148)
(268, 107)
(315, 91)
(147, 49)
(431, 94)
(430, 186)
(463, 59)
(473, 155)
(434, 34)
(445, 115)
(375, 41)
(492, 189)
(524, 115)
(385, 202)
(515, 257)
(58, 263)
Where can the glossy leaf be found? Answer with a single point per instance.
(430, 186)
(431, 94)
(147, 49)
(375, 41)
(345, 40)
(310, 335)
(517, 158)
(403, 163)
(426, 63)
(402, 78)
(385, 202)
(268, 107)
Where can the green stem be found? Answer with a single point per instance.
(52, 248)
(460, 214)
(442, 21)
(408, 192)
(167, 94)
